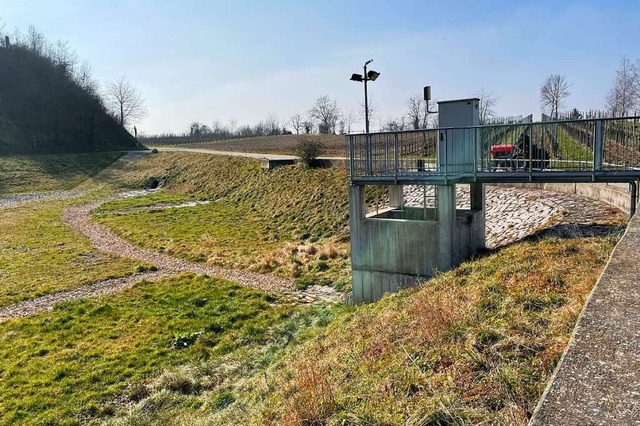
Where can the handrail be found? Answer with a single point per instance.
(521, 149)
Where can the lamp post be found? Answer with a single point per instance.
(367, 76)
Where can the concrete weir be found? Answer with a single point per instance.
(402, 246)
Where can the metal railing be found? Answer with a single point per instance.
(500, 152)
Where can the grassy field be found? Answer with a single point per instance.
(88, 358)
(37, 173)
(39, 254)
(288, 221)
(334, 145)
(473, 346)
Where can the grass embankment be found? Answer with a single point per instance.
(288, 221)
(333, 145)
(86, 358)
(39, 254)
(473, 346)
(38, 173)
(477, 343)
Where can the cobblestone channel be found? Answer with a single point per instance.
(514, 213)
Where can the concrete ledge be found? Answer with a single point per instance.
(617, 195)
(597, 381)
(271, 163)
(268, 164)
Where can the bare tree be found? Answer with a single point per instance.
(297, 122)
(126, 102)
(372, 109)
(624, 96)
(272, 125)
(395, 124)
(36, 40)
(326, 111)
(553, 92)
(84, 78)
(4, 37)
(308, 126)
(486, 106)
(415, 111)
(349, 119)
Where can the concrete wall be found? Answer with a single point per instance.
(469, 236)
(617, 195)
(398, 248)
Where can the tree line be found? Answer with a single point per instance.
(622, 99)
(119, 96)
(52, 103)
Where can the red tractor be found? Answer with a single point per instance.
(516, 156)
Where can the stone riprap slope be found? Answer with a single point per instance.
(514, 213)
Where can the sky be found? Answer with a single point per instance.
(244, 60)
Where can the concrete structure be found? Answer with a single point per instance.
(597, 381)
(402, 246)
(619, 195)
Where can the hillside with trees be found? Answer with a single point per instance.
(49, 104)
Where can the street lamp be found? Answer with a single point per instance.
(367, 76)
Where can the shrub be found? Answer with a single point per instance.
(308, 151)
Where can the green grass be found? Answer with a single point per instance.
(571, 149)
(473, 346)
(78, 361)
(39, 254)
(36, 173)
(289, 221)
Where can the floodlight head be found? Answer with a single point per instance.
(427, 93)
(356, 77)
(372, 75)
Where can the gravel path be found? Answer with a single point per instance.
(79, 219)
(9, 201)
(511, 214)
(99, 288)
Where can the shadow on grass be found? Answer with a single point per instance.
(563, 231)
(45, 172)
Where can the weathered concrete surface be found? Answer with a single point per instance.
(397, 248)
(615, 194)
(597, 381)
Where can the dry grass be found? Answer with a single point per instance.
(294, 221)
(474, 345)
(333, 145)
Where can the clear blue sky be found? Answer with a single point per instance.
(207, 60)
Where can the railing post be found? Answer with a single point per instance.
(351, 157)
(598, 145)
(369, 154)
(396, 160)
(475, 155)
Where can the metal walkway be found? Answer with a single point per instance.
(589, 150)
